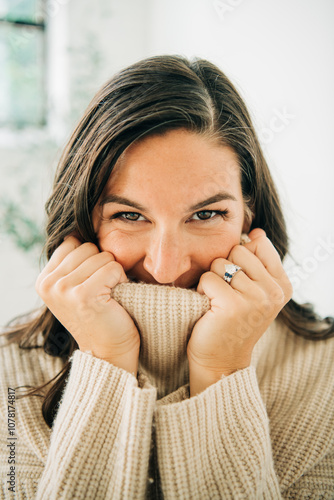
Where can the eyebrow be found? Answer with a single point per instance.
(114, 198)
(222, 195)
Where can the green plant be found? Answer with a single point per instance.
(25, 232)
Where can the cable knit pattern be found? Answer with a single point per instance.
(265, 432)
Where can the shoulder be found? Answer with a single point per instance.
(280, 345)
(294, 368)
(22, 366)
(296, 382)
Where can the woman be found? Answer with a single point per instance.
(180, 366)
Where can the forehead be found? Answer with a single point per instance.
(179, 161)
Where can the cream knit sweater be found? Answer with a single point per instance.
(265, 432)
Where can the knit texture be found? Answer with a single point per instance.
(265, 432)
(171, 313)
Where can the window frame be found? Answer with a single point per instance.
(56, 81)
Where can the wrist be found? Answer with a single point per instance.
(127, 360)
(201, 377)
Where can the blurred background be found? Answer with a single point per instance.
(55, 54)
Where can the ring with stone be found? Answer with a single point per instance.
(230, 271)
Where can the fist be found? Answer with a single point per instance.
(75, 285)
(222, 340)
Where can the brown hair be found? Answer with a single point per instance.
(153, 96)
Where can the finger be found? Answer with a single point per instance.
(249, 263)
(104, 279)
(262, 264)
(69, 244)
(211, 285)
(259, 249)
(255, 233)
(75, 259)
(74, 234)
(240, 280)
(267, 290)
(84, 270)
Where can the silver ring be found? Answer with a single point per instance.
(230, 271)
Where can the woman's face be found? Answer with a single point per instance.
(172, 205)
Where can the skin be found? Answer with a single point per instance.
(163, 239)
(169, 243)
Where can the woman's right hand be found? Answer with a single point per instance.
(75, 285)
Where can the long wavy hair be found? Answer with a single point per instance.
(149, 97)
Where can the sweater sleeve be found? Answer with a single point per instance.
(217, 444)
(101, 438)
(100, 442)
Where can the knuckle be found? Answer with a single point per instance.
(66, 247)
(207, 276)
(107, 256)
(73, 238)
(260, 297)
(43, 285)
(277, 295)
(236, 252)
(287, 287)
(38, 283)
(90, 248)
(78, 293)
(218, 265)
(116, 269)
(112, 264)
(61, 286)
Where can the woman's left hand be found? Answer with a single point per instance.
(222, 341)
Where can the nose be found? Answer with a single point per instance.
(167, 257)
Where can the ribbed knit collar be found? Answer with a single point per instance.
(165, 317)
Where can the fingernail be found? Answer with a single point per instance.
(244, 238)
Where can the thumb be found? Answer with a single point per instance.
(256, 233)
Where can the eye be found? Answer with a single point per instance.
(204, 215)
(127, 216)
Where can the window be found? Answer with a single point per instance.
(22, 63)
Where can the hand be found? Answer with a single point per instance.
(222, 340)
(75, 285)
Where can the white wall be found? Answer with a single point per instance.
(280, 56)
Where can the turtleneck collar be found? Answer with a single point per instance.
(165, 317)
